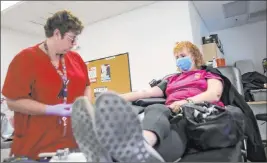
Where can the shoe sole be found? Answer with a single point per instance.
(119, 130)
(82, 118)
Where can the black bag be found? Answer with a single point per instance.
(209, 126)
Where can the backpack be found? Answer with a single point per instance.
(210, 126)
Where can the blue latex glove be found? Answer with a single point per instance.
(63, 110)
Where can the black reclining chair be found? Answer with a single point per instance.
(262, 117)
(237, 153)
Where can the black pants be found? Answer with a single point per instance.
(171, 137)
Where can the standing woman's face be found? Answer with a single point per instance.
(66, 42)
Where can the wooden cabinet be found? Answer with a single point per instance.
(211, 50)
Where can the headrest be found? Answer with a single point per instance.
(234, 75)
(245, 66)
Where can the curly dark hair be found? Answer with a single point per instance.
(64, 21)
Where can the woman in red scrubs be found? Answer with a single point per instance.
(41, 84)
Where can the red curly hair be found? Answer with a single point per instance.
(193, 49)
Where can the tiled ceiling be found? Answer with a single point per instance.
(219, 15)
(30, 16)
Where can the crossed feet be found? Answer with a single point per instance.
(110, 131)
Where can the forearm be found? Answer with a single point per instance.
(26, 106)
(88, 93)
(133, 96)
(206, 96)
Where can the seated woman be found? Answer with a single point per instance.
(111, 129)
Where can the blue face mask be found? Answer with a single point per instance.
(184, 63)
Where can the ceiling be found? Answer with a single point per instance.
(219, 15)
(30, 16)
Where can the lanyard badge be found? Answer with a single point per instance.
(63, 92)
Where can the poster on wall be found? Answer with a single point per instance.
(99, 90)
(92, 74)
(105, 73)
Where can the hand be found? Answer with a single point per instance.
(175, 106)
(59, 110)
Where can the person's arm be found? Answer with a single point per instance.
(26, 106)
(156, 91)
(88, 93)
(212, 94)
(17, 85)
(31, 107)
(147, 93)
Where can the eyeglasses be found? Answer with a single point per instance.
(73, 39)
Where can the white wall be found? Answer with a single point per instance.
(12, 42)
(199, 29)
(148, 34)
(245, 42)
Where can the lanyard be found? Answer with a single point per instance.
(64, 90)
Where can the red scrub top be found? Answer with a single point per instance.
(31, 75)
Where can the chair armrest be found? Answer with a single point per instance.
(262, 117)
(149, 101)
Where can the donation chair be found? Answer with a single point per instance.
(237, 153)
(262, 117)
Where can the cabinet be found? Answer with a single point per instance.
(211, 50)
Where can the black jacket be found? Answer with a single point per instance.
(230, 96)
(252, 81)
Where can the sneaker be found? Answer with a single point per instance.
(84, 133)
(116, 127)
